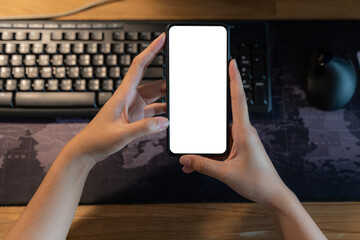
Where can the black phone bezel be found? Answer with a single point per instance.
(226, 152)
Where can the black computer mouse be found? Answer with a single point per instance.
(331, 81)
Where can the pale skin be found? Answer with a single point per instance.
(129, 114)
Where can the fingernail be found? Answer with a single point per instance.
(185, 161)
(235, 62)
(161, 35)
(163, 123)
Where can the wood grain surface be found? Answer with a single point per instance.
(193, 221)
(226, 221)
(191, 9)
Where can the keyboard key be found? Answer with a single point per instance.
(66, 85)
(36, 25)
(4, 60)
(38, 85)
(91, 48)
(5, 72)
(18, 72)
(43, 60)
(158, 61)
(244, 48)
(99, 25)
(118, 36)
(54, 99)
(84, 60)
(80, 85)
(118, 83)
(245, 72)
(5, 25)
(155, 72)
(64, 48)
(11, 85)
(118, 48)
(244, 60)
(83, 36)
(259, 90)
(24, 48)
(98, 60)
(20, 25)
(73, 72)
(57, 36)
(105, 48)
(59, 72)
(131, 48)
(97, 36)
(107, 85)
(51, 48)
(143, 46)
(114, 72)
(70, 36)
(87, 72)
(57, 60)
(32, 72)
(94, 85)
(111, 60)
(100, 72)
(34, 36)
(103, 97)
(7, 36)
(247, 84)
(258, 69)
(37, 48)
(20, 36)
(68, 25)
(70, 60)
(10, 48)
(25, 85)
(257, 48)
(6, 99)
(52, 85)
(124, 71)
(30, 60)
(51, 25)
(46, 72)
(16, 60)
(125, 60)
(115, 25)
(78, 48)
(155, 35)
(145, 35)
(131, 35)
(83, 25)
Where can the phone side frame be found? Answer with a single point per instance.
(228, 106)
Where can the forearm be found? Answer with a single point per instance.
(50, 212)
(293, 220)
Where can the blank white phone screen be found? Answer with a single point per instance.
(198, 89)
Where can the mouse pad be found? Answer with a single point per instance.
(316, 153)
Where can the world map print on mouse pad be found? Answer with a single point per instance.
(316, 153)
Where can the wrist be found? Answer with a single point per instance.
(70, 155)
(282, 202)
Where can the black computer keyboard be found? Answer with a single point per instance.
(71, 68)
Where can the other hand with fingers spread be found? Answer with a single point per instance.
(128, 114)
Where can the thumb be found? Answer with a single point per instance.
(147, 126)
(202, 165)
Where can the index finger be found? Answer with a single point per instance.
(141, 61)
(238, 100)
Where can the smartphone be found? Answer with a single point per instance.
(197, 89)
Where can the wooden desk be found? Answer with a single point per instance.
(193, 221)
